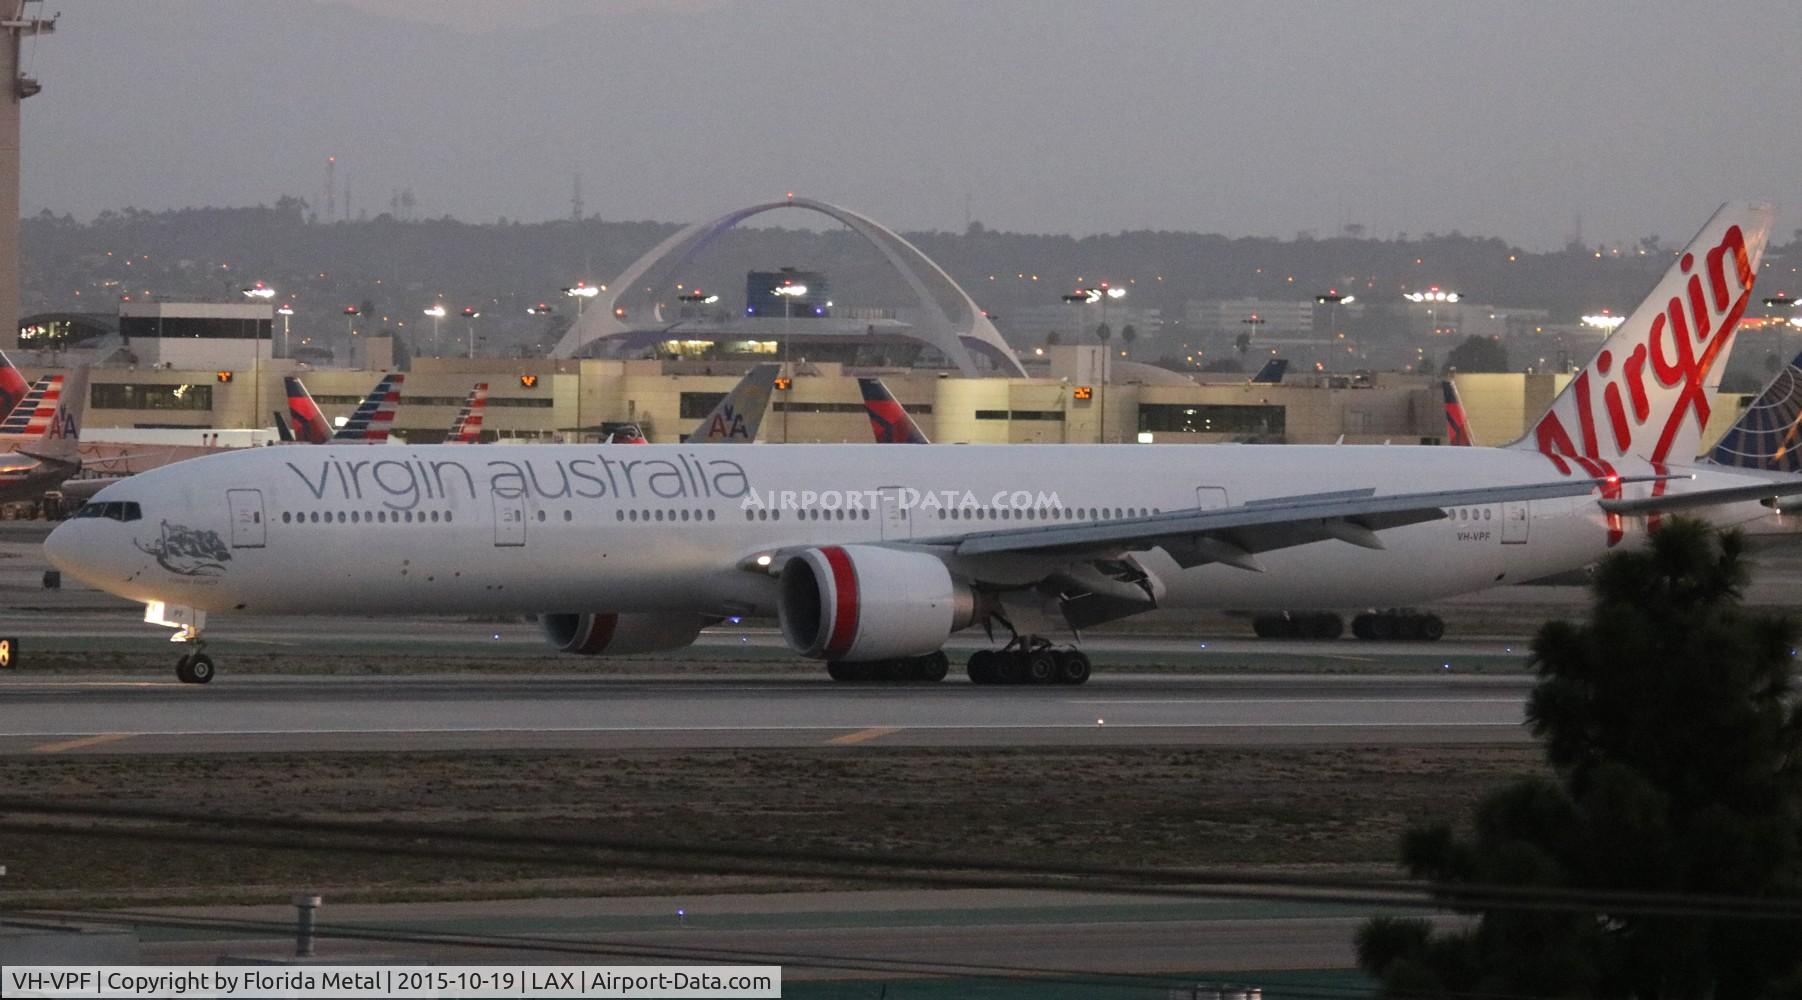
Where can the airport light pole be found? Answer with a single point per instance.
(350, 331)
(287, 312)
(470, 313)
(437, 313)
(788, 293)
(581, 291)
(1333, 299)
(1781, 301)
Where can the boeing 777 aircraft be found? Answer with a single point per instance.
(871, 556)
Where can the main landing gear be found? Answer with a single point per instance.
(1028, 660)
(1398, 623)
(1299, 625)
(931, 667)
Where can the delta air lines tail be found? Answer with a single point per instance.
(888, 418)
(1457, 425)
(13, 386)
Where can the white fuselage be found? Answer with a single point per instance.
(555, 528)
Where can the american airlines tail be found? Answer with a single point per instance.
(737, 417)
(1647, 393)
(888, 418)
(467, 428)
(46, 424)
(308, 423)
(1457, 425)
(374, 417)
(13, 386)
(1768, 434)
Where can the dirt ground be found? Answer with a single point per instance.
(1291, 809)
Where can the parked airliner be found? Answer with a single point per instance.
(871, 556)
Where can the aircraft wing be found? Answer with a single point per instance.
(1235, 535)
(1672, 503)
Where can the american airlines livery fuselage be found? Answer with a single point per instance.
(871, 556)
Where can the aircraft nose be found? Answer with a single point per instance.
(60, 547)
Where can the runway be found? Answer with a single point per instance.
(420, 713)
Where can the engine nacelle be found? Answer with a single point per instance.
(616, 634)
(864, 602)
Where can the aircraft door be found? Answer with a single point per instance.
(1516, 517)
(895, 518)
(509, 520)
(247, 518)
(1210, 497)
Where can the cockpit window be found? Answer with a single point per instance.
(118, 510)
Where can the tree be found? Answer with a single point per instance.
(1128, 335)
(1478, 354)
(1053, 339)
(1242, 343)
(1677, 762)
(1103, 332)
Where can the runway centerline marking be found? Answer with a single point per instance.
(863, 735)
(85, 741)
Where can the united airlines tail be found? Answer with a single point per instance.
(1767, 435)
(737, 417)
(374, 417)
(888, 418)
(13, 386)
(307, 423)
(1457, 425)
(1647, 393)
(1272, 372)
(467, 428)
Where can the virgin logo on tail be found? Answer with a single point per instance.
(1646, 394)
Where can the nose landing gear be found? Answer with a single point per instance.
(194, 667)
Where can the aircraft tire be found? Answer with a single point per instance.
(934, 666)
(1041, 667)
(981, 667)
(1361, 625)
(1432, 628)
(181, 670)
(1010, 667)
(840, 671)
(200, 668)
(1381, 627)
(1073, 667)
(1407, 627)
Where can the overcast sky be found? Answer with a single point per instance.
(1265, 118)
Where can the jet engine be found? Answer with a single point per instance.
(616, 634)
(863, 602)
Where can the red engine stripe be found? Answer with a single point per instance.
(600, 633)
(844, 616)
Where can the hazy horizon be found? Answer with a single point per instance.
(1056, 117)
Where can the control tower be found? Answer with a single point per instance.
(17, 23)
